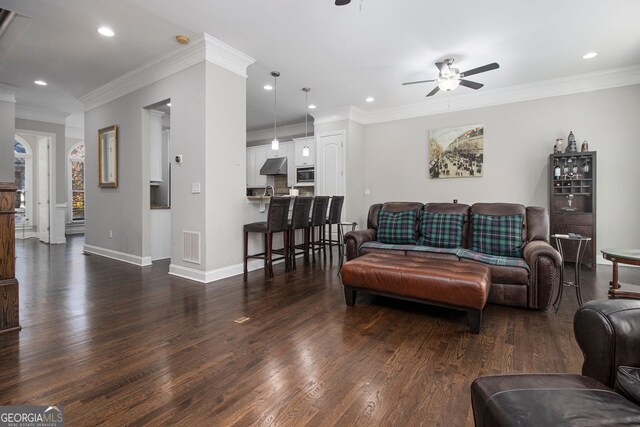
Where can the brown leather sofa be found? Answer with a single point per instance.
(607, 392)
(513, 286)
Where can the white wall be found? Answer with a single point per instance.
(518, 140)
(125, 210)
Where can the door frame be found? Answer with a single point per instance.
(343, 182)
(52, 173)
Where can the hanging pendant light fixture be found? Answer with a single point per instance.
(275, 144)
(305, 149)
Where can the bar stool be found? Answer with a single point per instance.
(318, 219)
(335, 213)
(299, 221)
(277, 222)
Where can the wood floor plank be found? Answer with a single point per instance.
(118, 344)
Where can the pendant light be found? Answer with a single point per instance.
(305, 149)
(275, 144)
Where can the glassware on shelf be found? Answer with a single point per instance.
(565, 167)
(569, 207)
(585, 166)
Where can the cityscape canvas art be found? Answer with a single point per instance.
(456, 152)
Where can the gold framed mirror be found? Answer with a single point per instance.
(108, 157)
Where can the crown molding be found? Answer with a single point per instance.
(346, 113)
(202, 47)
(607, 79)
(8, 92)
(40, 114)
(225, 56)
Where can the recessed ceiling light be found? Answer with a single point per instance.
(268, 87)
(40, 83)
(168, 104)
(370, 99)
(312, 106)
(106, 31)
(590, 55)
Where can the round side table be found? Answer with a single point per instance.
(580, 251)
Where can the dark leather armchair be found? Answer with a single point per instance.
(607, 392)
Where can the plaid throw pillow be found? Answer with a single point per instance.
(441, 230)
(398, 228)
(497, 235)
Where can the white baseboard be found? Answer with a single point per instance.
(119, 256)
(600, 260)
(213, 275)
(27, 234)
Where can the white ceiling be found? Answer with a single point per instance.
(344, 53)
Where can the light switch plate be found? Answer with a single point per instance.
(195, 188)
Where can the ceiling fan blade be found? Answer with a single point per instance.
(434, 91)
(419, 81)
(479, 70)
(342, 2)
(472, 85)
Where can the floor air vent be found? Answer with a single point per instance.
(191, 246)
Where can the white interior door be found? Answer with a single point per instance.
(43, 190)
(330, 179)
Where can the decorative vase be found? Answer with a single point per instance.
(571, 143)
(557, 148)
(585, 146)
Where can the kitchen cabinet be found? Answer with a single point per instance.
(301, 160)
(256, 156)
(274, 154)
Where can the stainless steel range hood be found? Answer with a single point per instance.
(276, 166)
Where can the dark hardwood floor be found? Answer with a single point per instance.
(118, 344)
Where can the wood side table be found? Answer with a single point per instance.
(624, 256)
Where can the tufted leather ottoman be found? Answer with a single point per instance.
(447, 283)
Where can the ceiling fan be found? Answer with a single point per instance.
(449, 78)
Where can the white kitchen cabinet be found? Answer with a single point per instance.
(274, 154)
(301, 160)
(155, 145)
(256, 156)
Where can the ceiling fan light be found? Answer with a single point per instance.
(275, 145)
(305, 151)
(448, 85)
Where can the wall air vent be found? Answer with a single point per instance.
(191, 246)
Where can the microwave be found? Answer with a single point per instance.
(305, 175)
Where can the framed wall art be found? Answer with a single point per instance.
(456, 152)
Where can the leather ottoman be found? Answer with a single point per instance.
(447, 283)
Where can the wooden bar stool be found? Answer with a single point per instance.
(319, 220)
(335, 215)
(299, 221)
(277, 222)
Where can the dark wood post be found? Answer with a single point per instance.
(9, 320)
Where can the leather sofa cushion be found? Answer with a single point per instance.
(548, 400)
(506, 275)
(628, 383)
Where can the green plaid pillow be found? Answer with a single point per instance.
(398, 228)
(441, 230)
(499, 235)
